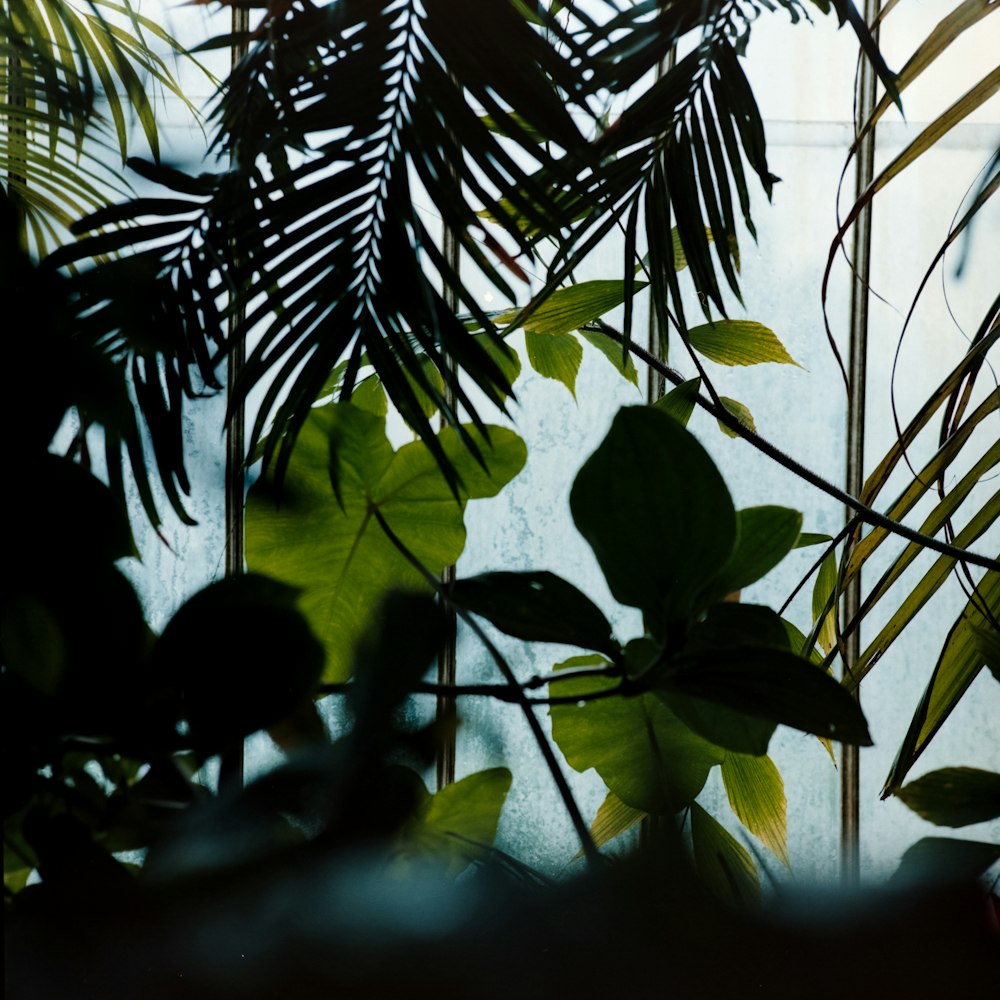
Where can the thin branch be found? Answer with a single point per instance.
(576, 817)
(500, 692)
(863, 512)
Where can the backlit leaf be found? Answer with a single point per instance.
(643, 752)
(740, 412)
(757, 796)
(567, 309)
(823, 588)
(461, 818)
(555, 356)
(739, 342)
(613, 818)
(957, 667)
(680, 401)
(336, 552)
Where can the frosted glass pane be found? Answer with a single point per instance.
(803, 78)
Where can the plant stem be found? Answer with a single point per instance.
(862, 511)
(519, 697)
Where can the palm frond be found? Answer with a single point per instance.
(71, 76)
(342, 118)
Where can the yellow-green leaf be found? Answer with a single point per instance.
(461, 819)
(555, 356)
(614, 817)
(337, 553)
(957, 667)
(567, 309)
(739, 342)
(742, 414)
(757, 796)
(823, 588)
(612, 350)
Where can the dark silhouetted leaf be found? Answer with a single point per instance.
(539, 607)
(954, 796)
(656, 512)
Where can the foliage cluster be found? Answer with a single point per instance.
(306, 249)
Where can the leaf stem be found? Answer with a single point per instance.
(519, 697)
(862, 511)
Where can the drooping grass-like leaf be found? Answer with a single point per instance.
(73, 74)
(757, 796)
(957, 667)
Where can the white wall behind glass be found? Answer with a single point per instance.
(803, 76)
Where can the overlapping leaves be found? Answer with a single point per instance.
(332, 545)
(343, 117)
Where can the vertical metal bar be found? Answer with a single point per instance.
(850, 768)
(231, 764)
(656, 384)
(447, 656)
(651, 829)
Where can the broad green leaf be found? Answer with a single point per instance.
(739, 342)
(612, 350)
(567, 309)
(555, 356)
(643, 752)
(823, 589)
(722, 861)
(757, 796)
(462, 817)
(764, 536)
(336, 552)
(944, 859)
(538, 607)
(614, 818)
(957, 667)
(954, 796)
(742, 414)
(656, 512)
(680, 401)
(771, 684)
